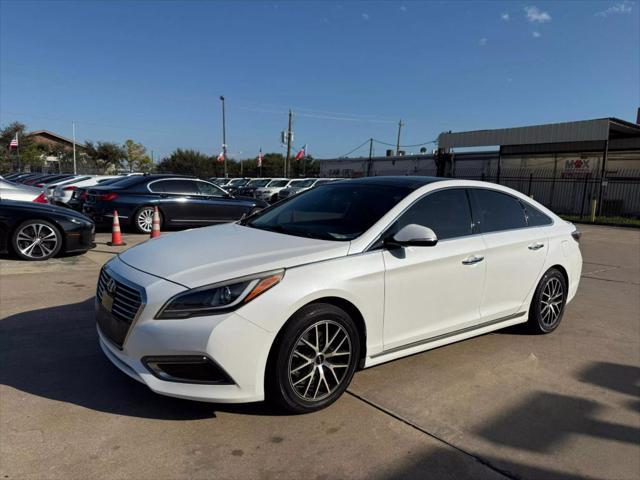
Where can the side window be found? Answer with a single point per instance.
(446, 212)
(535, 217)
(498, 211)
(157, 187)
(208, 189)
(180, 187)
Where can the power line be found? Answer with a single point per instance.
(357, 148)
(405, 146)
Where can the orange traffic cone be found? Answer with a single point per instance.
(155, 229)
(116, 235)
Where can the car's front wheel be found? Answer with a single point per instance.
(547, 305)
(315, 358)
(36, 240)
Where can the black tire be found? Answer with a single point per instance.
(547, 305)
(286, 368)
(48, 245)
(137, 220)
(274, 198)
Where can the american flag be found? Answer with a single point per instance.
(14, 142)
(259, 164)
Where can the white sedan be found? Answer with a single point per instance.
(288, 303)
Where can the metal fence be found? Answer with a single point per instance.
(613, 199)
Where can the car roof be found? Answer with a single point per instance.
(412, 182)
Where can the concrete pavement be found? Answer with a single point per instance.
(505, 405)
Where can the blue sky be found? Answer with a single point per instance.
(153, 71)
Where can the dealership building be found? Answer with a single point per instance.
(599, 147)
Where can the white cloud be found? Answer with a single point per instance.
(482, 42)
(536, 34)
(619, 8)
(535, 15)
(505, 17)
(403, 8)
(365, 16)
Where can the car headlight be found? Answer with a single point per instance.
(219, 297)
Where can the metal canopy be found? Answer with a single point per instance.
(585, 130)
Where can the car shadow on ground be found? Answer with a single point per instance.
(541, 423)
(54, 353)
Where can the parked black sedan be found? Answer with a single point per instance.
(181, 201)
(35, 231)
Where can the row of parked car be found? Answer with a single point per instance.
(33, 225)
(268, 189)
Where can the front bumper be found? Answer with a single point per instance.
(239, 347)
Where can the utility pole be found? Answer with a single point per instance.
(370, 157)
(224, 138)
(73, 126)
(400, 125)
(288, 157)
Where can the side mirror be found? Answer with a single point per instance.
(412, 235)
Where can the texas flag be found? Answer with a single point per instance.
(259, 164)
(301, 153)
(221, 157)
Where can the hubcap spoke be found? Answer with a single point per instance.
(551, 302)
(309, 363)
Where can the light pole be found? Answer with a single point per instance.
(224, 138)
(73, 125)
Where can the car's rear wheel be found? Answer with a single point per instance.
(36, 240)
(143, 220)
(547, 305)
(315, 359)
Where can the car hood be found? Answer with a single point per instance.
(202, 256)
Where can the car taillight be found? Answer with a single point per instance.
(41, 199)
(69, 189)
(40, 185)
(576, 234)
(108, 197)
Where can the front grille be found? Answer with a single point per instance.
(127, 302)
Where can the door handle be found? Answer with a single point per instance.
(536, 246)
(472, 259)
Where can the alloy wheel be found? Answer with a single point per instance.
(320, 360)
(145, 220)
(551, 303)
(37, 241)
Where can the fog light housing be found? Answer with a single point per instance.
(187, 369)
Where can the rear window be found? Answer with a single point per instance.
(127, 182)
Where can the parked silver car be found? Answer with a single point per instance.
(17, 191)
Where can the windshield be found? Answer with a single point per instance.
(237, 182)
(331, 212)
(262, 182)
(278, 183)
(221, 181)
(301, 183)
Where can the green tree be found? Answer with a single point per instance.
(107, 157)
(137, 159)
(28, 150)
(188, 162)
